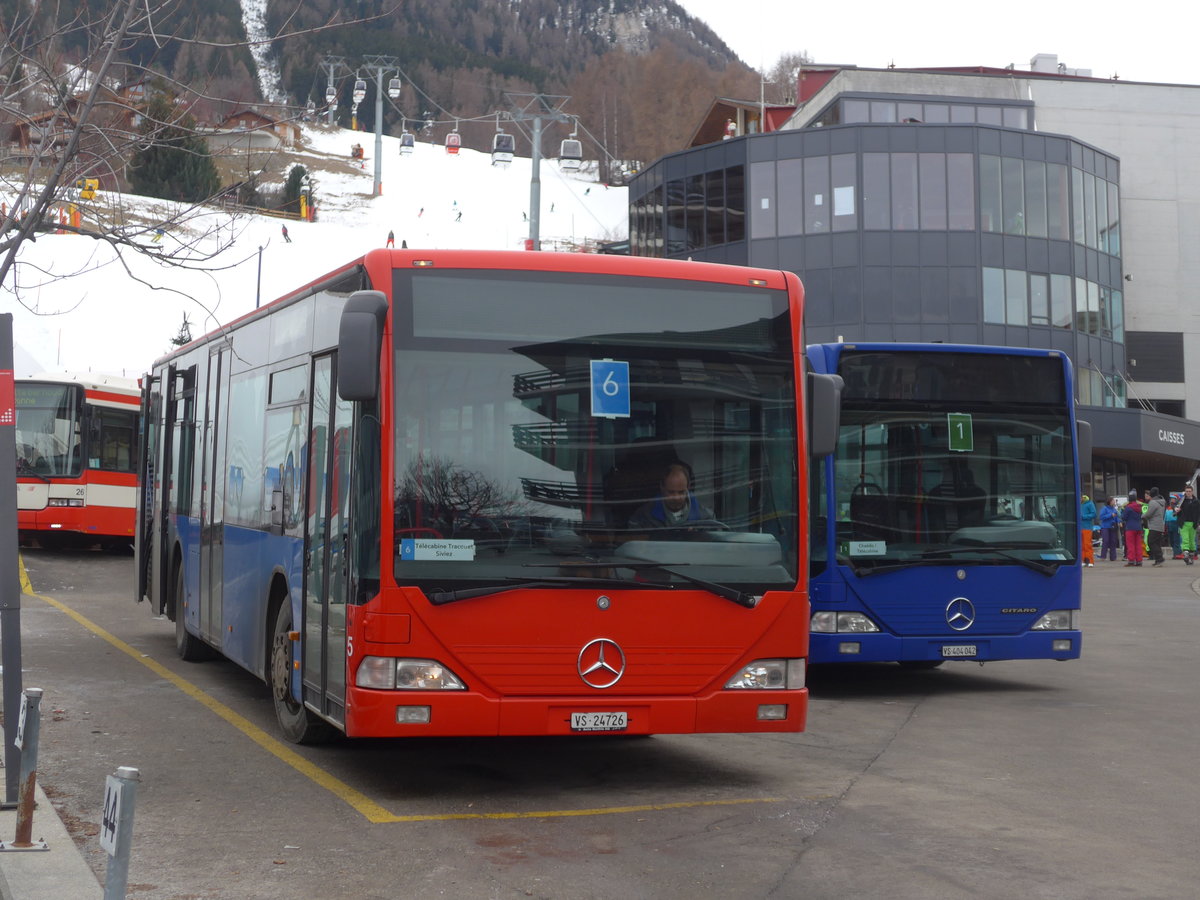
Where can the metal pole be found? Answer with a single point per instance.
(258, 289)
(29, 750)
(10, 584)
(762, 104)
(117, 875)
(378, 131)
(535, 187)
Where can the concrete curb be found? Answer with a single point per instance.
(55, 874)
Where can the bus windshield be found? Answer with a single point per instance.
(954, 461)
(607, 426)
(48, 429)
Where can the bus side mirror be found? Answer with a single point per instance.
(824, 413)
(360, 334)
(1083, 445)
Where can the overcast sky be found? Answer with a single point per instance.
(1155, 42)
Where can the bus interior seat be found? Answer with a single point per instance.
(871, 513)
(956, 502)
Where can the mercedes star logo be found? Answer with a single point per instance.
(601, 663)
(960, 614)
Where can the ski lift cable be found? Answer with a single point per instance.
(577, 125)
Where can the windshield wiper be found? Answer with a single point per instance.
(440, 598)
(24, 468)
(931, 557)
(1045, 568)
(721, 590)
(864, 571)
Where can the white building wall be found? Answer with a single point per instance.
(1154, 130)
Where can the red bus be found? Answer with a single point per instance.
(76, 460)
(412, 496)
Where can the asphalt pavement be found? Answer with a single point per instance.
(61, 872)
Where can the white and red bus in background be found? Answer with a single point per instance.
(77, 442)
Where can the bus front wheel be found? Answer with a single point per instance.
(189, 647)
(299, 725)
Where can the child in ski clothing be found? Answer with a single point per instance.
(1087, 521)
(1172, 520)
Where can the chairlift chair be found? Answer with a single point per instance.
(330, 94)
(360, 90)
(393, 89)
(503, 145)
(406, 143)
(453, 142)
(570, 154)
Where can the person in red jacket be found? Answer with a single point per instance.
(1131, 518)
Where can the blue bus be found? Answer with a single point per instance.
(945, 524)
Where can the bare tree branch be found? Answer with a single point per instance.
(72, 117)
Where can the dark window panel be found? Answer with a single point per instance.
(932, 168)
(904, 191)
(714, 219)
(877, 204)
(735, 204)
(791, 196)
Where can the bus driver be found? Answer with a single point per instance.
(675, 506)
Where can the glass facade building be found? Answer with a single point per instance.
(913, 219)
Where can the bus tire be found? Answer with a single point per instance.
(189, 647)
(299, 725)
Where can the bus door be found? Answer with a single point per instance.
(326, 535)
(144, 539)
(178, 477)
(212, 493)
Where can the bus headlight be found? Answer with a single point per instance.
(383, 673)
(769, 674)
(828, 621)
(1058, 620)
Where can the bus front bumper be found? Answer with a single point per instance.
(845, 647)
(379, 714)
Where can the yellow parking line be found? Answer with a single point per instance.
(358, 801)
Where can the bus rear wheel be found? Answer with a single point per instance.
(299, 725)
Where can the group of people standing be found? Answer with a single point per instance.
(1148, 526)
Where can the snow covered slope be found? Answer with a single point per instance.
(118, 316)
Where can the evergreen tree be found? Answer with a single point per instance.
(184, 335)
(173, 163)
(293, 187)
